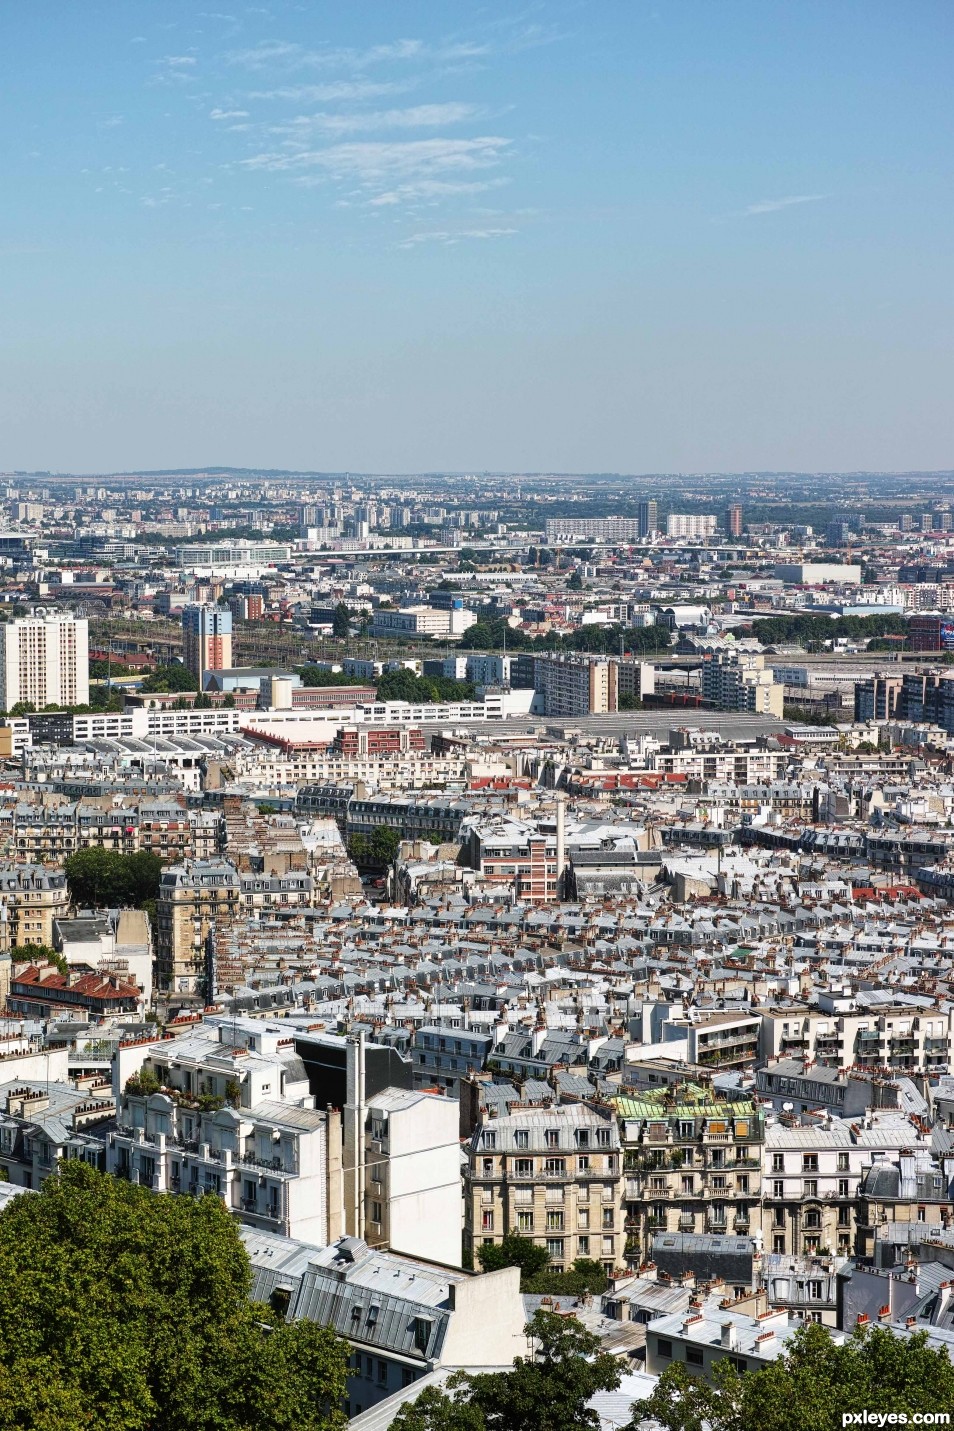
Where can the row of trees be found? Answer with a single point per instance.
(815, 630)
(403, 685)
(495, 635)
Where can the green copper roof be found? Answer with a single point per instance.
(689, 1100)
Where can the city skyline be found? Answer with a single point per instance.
(662, 238)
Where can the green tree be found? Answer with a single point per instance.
(810, 1387)
(383, 844)
(98, 877)
(576, 581)
(22, 708)
(545, 1391)
(38, 954)
(514, 1251)
(321, 676)
(127, 1310)
(341, 622)
(170, 678)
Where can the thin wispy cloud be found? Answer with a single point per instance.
(433, 190)
(772, 206)
(180, 61)
(338, 91)
(277, 54)
(228, 114)
(421, 116)
(375, 161)
(448, 237)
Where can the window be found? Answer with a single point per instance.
(487, 1221)
(373, 1311)
(844, 1217)
(778, 1217)
(524, 1167)
(524, 1221)
(811, 1187)
(422, 1333)
(778, 1162)
(843, 1162)
(552, 1137)
(583, 1164)
(555, 1166)
(554, 1222)
(375, 1212)
(488, 1167)
(583, 1217)
(778, 1244)
(778, 1189)
(813, 1217)
(814, 1291)
(664, 1348)
(555, 1248)
(687, 1129)
(743, 1182)
(609, 1216)
(694, 1356)
(521, 1139)
(382, 1373)
(407, 1375)
(583, 1246)
(490, 1140)
(604, 1138)
(810, 1163)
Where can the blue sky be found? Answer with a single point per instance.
(679, 235)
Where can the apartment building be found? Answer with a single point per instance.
(735, 681)
(49, 833)
(443, 1056)
(813, 1178)
(423, 621)
(207, 639)
(692, 1163)
(600, 529)
(44, 659)
(31, 897)
(44, 1121)
(684, 524)
(553, 1175)
(568, 685)
(193, 896)
(899, 1038)
(276, 1164)
(412, 1184)
(402, 1317)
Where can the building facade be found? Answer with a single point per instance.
(207, 639)
(44, 659)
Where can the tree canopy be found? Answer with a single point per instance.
(170, 678)
(100, 878)
(128, 1310)
(546, 1391)
(403, 685)
(514, 1251)
(809, 1388)
(816, 630)
(38, 954)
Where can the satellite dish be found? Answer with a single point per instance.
(788, 1107)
